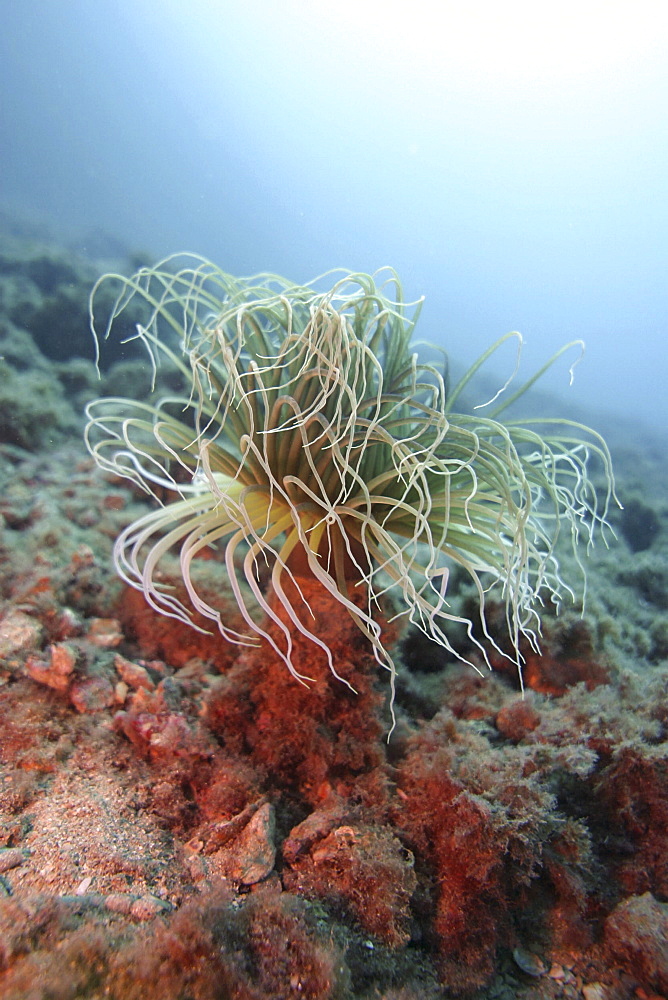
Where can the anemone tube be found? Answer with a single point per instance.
(310, 440)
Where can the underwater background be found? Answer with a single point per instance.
(508, 160)
(179, 818)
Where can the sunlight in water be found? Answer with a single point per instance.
(447, 42)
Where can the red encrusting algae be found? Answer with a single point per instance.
(210, 804)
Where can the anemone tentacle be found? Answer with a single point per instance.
(310, 435)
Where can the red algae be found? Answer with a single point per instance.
(315, 736)
(476, 830)
(169, 639)
(364, 870)
(517, 719)
(567, 656)
(556, 674)
(179, 817)
(268, 947)
(636, 935)
(633, 789)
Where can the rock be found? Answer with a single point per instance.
(57, 672)
(93, 694)
(133, 674)
(528, 962)
(18, 634)
(363, 867)
(250, 856)
(636, 937)
(83, 886)
(105, 632)
(119, 902)
(594, 991)
(256, 848)
(147, 907)
(11, 857)
(68, 624)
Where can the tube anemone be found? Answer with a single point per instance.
(311, 442)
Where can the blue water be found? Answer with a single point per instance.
(511, 164)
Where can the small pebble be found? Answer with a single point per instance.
(105, 632)
(11, 857)
(528, 962)
(255, 848)
(114, 501)
(68, 624)
(93, 694)
(594, 991)
(57, 672)
(133, 674)
(148, 907)
(83, 558)
(120, 692)
(119, 902)
(18, 633)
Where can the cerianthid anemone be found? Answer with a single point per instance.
(311, 441)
